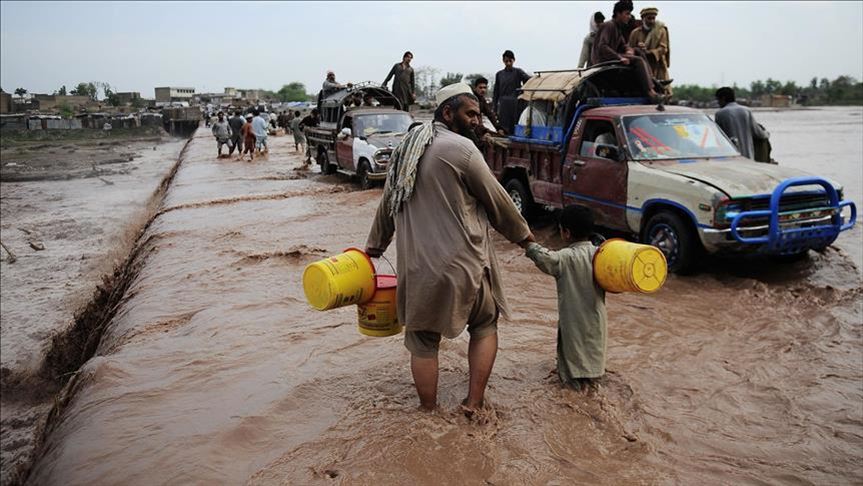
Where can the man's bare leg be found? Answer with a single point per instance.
(425, 373)
(481, 354)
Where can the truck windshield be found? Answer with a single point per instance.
(675, 136)
(365, 125)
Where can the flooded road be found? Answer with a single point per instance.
(214, 370)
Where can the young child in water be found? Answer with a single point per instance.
(581, 326)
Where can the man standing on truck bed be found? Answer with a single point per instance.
(507, 81)
(440, 199)
(480, 88)
(738, 123)
(403, 85)
(650, 41)
(611, 45)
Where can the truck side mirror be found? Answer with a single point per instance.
(611, 152)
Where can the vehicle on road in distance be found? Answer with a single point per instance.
(355, 139)
(668, 176)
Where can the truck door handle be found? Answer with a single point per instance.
(577, 162)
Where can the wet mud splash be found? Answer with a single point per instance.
(214, 370)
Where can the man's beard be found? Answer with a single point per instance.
(465, 130)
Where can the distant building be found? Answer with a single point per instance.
(171, 94)
(126, 98)
(5, 102)
(776, 101)
(46, 102)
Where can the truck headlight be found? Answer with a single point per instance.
(726, 211)
(382, 156)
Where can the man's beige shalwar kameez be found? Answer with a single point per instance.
(444, 245)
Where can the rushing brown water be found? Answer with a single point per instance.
(216, 371)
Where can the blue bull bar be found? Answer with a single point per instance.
(784, 241)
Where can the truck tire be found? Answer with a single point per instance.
(675, 238)
(324, 161)
(363, 175)
(520, 197)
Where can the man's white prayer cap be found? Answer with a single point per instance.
(451, 90)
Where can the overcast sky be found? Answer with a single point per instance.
(211, 45)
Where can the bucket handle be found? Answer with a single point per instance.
(388, 263)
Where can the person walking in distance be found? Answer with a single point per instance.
(222, 132)
(236, 123)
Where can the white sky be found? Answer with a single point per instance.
(210, 45)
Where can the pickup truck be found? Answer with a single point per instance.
(359, 128)
(668, 176)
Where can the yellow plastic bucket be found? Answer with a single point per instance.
(345, 279)
(622, 266)
(379, 317)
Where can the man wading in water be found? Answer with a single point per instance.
(440, 198)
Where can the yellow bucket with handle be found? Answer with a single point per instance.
(344, 279)
(623, 266)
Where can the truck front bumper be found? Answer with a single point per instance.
(786, 232)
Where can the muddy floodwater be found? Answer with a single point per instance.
(214, 370)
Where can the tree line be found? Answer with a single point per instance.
(844, 90)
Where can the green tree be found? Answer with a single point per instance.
(20, 91)
(425, 79)
(450, 78)
(295, 91)
(85, 89)
(757, 88)
(62, 91)
(789, 88)
(772, 85)
(65, 110)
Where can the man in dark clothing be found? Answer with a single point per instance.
(236, 123)
(507, 81)
(403, 84)
(311, 120)
(612, 45)
(738, 123)
(480, 88)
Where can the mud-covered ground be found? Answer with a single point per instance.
(42, 155)
(214, 370)
(70, 204)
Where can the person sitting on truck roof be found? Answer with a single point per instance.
(611, 45)
(587, 44)
(369, 100)
(650, 41)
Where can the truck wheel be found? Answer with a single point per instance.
(675, 238)
(363, 175)
(324, 161)
(520, 197)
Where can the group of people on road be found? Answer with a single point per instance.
(248, 135)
